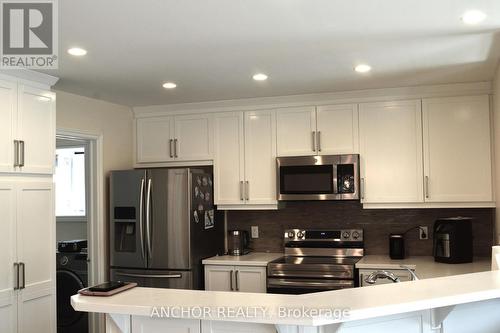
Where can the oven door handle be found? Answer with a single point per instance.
(286, 283)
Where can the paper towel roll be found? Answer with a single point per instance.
(495, 258)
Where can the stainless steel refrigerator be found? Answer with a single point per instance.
(163, 223)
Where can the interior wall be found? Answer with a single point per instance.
(114, 122)
(496, 145)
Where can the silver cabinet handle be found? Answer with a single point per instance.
(21, 148)
(314, 141)
(16, 276)
(231, 280)
(427, 187)
(171, 149)
(319, 140)
(247, 190)
(16, 153)
(175, 148)
(362, 188)
(21, 265)
(141, 217)
(148, 219)
(156, 276)
(236, 279)
(241, 191)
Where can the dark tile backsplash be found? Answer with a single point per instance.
(377, 224)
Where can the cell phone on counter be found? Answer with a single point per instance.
(107, 288)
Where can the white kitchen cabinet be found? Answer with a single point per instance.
(235, 278)
(193, 137)
(142, 324)
(229, 166)
(27, 129)
(457, 149)
(174, 138)
(154, 139)
(337, 129)
(27, 242)
(296, 128)
(260, 157)
(8, 123)
(323, 130)
(245, 159)
(36, 128)
(391, 152)
(230, 327)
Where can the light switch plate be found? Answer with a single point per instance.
(255, 231)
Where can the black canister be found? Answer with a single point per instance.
(397, 246)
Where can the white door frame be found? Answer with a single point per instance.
(96, 226)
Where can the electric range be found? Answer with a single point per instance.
(316, 260)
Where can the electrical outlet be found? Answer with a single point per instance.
(255, 231)
(424, 232)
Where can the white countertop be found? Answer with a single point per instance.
(250, 259)
(375, 301)
(424, 266)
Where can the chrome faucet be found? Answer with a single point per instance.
(373, 277)
(414, 276)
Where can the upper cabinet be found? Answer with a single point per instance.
(174, 138)
(391, 152)
(325, 130)
(28, 118)
(245, 159)
(457, 149)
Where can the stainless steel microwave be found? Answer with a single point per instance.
(329, 177)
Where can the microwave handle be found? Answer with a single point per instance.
(335, 179)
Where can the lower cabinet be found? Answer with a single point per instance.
(231, 327)
(162, 325)
(249, 279)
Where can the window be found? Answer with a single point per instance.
(70, 182)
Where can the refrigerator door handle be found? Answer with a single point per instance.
(141, 217)
(148, 220)
(156, 276)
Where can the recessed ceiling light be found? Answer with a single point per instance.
(473, 17)
(260, 77)
(77, 51)
(169, 85)
(363, 68)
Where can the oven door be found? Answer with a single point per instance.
(333, 177)
(305, 286)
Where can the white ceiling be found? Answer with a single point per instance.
(211, 48)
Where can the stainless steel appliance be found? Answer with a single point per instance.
(163, 223)
(316, 260)
(238, 242)
(453, 240)
(333, 177)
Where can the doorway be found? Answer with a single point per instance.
(79, 191)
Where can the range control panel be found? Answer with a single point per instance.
(345, 235)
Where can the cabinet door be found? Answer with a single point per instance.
(8, 109)
(194, 137)
(260, 157)
(36, 127)
(154, 139)
(250, 279)
(8, 297)
(296, 129)
(35, 248)
(217, 326)
(391, 152)
(457, 151)
(337, 129)
(219, 278)
(163, 325)
(229, 158)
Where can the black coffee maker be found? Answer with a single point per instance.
(453, 240)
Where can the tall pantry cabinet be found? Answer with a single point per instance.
(27, 226)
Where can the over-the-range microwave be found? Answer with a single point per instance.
(328, 177)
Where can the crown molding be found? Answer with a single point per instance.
(346, 97)
(26, 75)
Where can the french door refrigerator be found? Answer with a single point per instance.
(162, 224)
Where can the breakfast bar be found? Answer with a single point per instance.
(461, 303)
